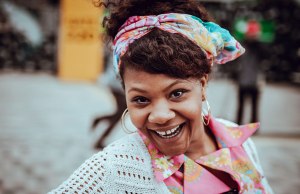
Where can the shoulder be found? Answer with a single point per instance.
(127, 153)
(92, 176)
(107, 168)
(128, 144)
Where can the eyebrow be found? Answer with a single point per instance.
(137, 90)
(167, 88)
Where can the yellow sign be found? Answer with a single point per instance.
(80, 45)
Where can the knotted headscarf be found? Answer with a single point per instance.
(216, 42)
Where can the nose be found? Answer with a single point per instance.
(161, 113)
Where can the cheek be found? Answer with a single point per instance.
(136, 115)
(138, 118)
(191, 109)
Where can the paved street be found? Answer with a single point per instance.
(45, 135)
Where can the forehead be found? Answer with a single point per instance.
(148, 81)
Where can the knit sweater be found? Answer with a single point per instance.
(125, 167)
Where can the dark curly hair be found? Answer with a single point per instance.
(158, 51)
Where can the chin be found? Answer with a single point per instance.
(174, 146)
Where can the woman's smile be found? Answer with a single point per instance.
(168, 134)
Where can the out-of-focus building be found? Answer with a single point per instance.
(69, 43)
(45, 11)
(31, 56)
(279, 56)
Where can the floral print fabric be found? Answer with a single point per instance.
(215, 41)
(196, 178)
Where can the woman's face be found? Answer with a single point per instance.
(167, 110)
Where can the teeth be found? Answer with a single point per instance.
(167, 132)
(170, 133)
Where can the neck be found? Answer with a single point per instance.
(203, 146)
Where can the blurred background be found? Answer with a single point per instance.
(60, 103)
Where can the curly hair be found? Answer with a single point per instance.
(158, 51)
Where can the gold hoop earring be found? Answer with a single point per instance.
(206, 114)
(125, 129)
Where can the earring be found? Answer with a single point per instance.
(206, 114)
(125, 129)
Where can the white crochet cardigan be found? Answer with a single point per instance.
(125, 167)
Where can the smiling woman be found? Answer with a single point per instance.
(163, 52)
(168, 111)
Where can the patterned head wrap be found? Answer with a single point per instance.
(216, 42)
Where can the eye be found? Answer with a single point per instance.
(140, 100)
(178, 93)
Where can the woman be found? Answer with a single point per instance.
(164, 51)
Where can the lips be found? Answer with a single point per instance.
(170, 133)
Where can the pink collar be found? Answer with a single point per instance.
(226, 137)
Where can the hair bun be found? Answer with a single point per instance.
(121, 10)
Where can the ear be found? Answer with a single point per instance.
(203, 82)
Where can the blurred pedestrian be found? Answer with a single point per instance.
(249, 81)
(164, 51)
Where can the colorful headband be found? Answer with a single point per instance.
(215, 41)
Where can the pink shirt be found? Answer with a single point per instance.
(221, 171)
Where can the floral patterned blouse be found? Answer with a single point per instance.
(227, 170)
